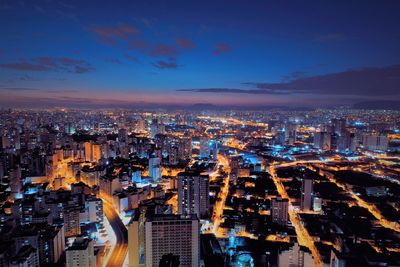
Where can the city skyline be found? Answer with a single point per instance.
(304, 54)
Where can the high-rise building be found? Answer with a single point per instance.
(93, 210)
(157, 128)
(122, 135)
(88, 151)
(306, 194)
(279, 210)
(193, 194)
(27, 256)
(185, 148)
(92, 152)
(338, 126)
(140, 127)
(15, 182)
(290, 133)
(345, 141)
(375, 142)
(215, 150)
(204, 147)
(155, 168)
(72, 220)
(81, 253)
(49, 241)
(322, 140)
(176, 234)
(137, 176)
(173, 155)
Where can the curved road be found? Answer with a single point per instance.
(120, 250)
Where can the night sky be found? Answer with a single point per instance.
(294, 53)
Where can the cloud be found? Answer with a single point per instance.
(185, 43)
(132, 58)
(221, 48)
(232, 91)
(19, 89)
(113, 34)
(24, 66)
(163, 50)
(115, 61)
(170, 64)
(358, 82)
(27, 78)
(294, 76)
(51, 64)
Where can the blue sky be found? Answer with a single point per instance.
(182, 52)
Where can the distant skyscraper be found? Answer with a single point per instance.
(345, 141)
(215, 150)
(15, 182)
(338, 126)
(322, 140)
(185, 148)
(279, 210)
(155, 168)
(290, 133)
(173, 155)
(154, 128)
(92, 152)
(141, 127)
(204, 147)
(306, 194)
(179, 235)
(193, 194)
(375, 142)
(122, 136)
(157, 128)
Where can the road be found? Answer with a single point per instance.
(220, 205)
(303, 237)
(373, 210)
(120, 250)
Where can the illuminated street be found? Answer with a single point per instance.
(220, 204)
(303, 237)
(119, 251)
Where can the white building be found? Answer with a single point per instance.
(179, 235)
(93, 211)
(295, 256)
(81, 253)
(317, 204)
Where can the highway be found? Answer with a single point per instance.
(120, 250)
